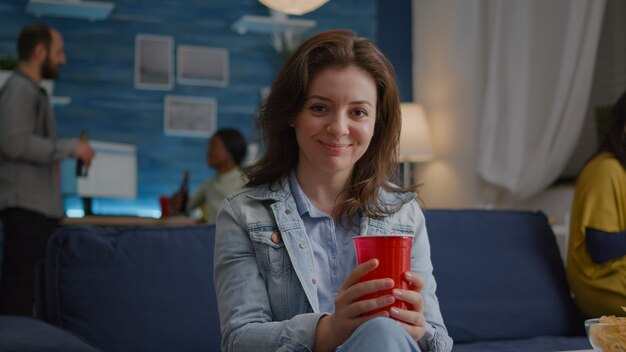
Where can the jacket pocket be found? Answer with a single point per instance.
(270, 250)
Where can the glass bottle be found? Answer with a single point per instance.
(81, 168)
(184, 193)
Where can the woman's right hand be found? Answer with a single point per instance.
(335, 329)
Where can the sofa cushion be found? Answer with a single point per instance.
(500, 276)
(24, 334)
(134, 288)
(536, 344)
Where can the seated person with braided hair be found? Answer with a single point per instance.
(225, 152)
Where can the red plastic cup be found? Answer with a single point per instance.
(165, 206)
(394, 257)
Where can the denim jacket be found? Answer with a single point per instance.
(265, 275)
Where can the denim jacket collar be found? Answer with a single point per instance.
(280, 191)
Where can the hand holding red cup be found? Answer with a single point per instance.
(394, 256)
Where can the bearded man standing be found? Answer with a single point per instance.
(30, 192)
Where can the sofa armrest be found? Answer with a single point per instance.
(24, 334)
(40, 289)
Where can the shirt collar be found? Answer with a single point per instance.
(302, 201)
(35, 85)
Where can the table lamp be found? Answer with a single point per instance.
(415, 144)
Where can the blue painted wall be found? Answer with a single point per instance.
(99, 76)
(394, 40)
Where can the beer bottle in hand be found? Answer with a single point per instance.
(81, 168)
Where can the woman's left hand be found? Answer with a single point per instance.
(411, 318)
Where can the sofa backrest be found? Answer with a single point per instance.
(499, 275)
(134, 288)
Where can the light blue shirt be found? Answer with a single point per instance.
(332, 245)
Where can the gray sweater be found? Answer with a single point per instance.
(29, 151)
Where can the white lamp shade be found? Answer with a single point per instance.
(415, 142)
(293, 7)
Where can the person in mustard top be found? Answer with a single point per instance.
(596, 261)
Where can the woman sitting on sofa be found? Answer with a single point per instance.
(596, 261)
(285, 266)
(225, 152)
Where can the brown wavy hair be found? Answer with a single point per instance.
(371, 173)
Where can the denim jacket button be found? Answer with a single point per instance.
(276, 238)
(314, 281)
(288, 211)
(301, 245)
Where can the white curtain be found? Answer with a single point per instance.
(505, 85)
(541, 57)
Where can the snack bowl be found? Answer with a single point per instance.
(607, 333)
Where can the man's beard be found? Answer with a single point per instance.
(49, 71)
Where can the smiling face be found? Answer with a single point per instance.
(336, 123)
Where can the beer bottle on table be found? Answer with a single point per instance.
(183, 193)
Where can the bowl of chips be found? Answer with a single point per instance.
(607, 334)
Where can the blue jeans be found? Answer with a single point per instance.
(380, 334)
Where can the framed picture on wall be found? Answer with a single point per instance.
(202, 66)
(154, 62)
(190, 116)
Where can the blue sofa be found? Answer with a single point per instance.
(501, 285)
(133, 288)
